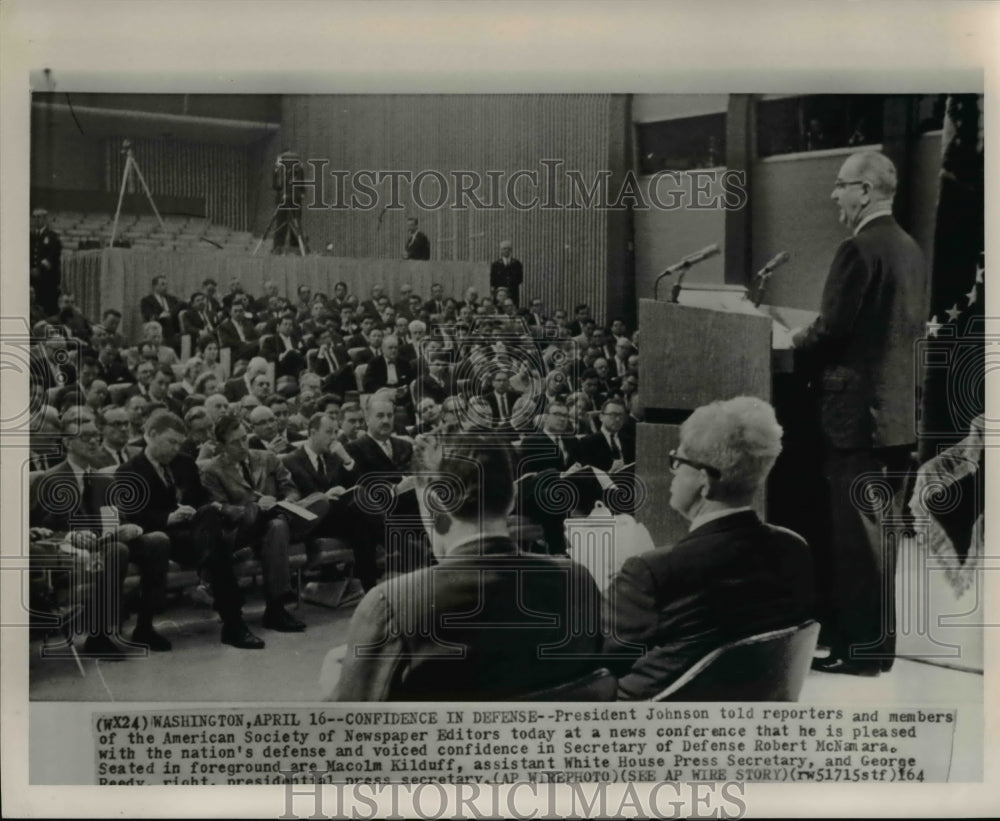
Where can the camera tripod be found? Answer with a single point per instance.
(292, 225)
(130, 166)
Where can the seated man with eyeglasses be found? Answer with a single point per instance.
(731, 577)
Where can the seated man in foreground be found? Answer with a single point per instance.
(486, 622)
(731, 577)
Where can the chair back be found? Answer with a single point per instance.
(597, 685)
(766, 667)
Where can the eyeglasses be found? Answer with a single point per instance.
(89, 438)
(842, 184)
(676, 461)
(122, 423)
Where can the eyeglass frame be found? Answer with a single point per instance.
(840, 185)
(676, 461)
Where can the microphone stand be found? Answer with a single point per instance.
(761, 288)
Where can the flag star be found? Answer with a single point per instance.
(933, 327)
(980, 271)
(971, 296)
(953, 313)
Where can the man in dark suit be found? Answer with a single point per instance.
(417, 244)
(46, 256)
(501, 400)
(68, 498)
(238, 333)
(284, 348)
(110, 366)
(731, 577)
(54, 360)
(388, 370)
(239, 386)
(486, 622)
(161, 307)
(608, 449)
(384, 458)
(507, 272)
(176, 503)
(197, 317)
(114, 448)
(435, 305)
(323, 465)
(874, 308)
(433, 382)
(331, 363)
(255, 481)
(546, 455)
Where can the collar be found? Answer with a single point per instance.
(480, 545)
(79, 470)
(705, 518)
(313, 456)
(881, 210)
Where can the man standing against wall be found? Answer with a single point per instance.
(507, 272)
(417, 244)
(861, 346)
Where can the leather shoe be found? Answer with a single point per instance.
(239, 635)
(281, 620)
(832, 664)
(152, 639)
(103, 647)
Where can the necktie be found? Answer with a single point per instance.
(87, 506)
(245, 470)
(163, 303)
(387, 447)
(321, 465)
(239, 330)
(121, 457)
(616, 452)
(503, 404)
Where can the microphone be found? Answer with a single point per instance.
(774, 263)
(764, 274)
(682, 266)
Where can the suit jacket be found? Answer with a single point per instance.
(499, 420)
(594, 450)
(509, 276)
(105, 459)
(338, 376)
(225, 483)
(192, 322)
(434, 306)
(308, 480)
(289, 362)
(376, 375)
(370, 458)
(137, 478)
(150, 308)
(730, 578)
(874, 307)
(56, 500)
(427, 386)
(473, 628)
(229, 338)
(538, 452)
(418, 246)
(114, 371)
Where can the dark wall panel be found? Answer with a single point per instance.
(565, 252)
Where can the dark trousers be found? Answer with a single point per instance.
(200, 543)
(865, 491)
(346, 523)
(151, 554)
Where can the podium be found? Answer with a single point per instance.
(691, 356)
